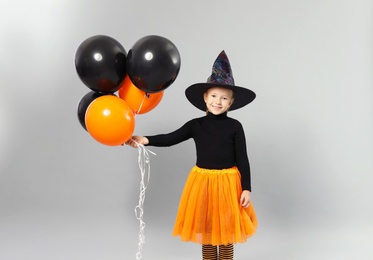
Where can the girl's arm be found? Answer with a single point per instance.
(242, 158)
(164, 140)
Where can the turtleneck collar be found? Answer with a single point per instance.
(220, 116)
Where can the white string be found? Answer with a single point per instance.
(142, 103)
(144, 165)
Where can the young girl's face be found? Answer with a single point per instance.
(218, 100)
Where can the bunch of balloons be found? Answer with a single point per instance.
(139, 79)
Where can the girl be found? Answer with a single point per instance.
(215, 208)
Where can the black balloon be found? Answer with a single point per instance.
(100, 62)
(153, 63)
(84, 102)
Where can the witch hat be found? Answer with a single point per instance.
(221, 76)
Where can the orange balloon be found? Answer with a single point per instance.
(139, 101)
(110, 120)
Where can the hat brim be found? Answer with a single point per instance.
(195, 92)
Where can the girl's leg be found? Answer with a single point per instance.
(209, 252)
(226, 252)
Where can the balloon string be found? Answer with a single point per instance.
(142, 103)
(144, 165)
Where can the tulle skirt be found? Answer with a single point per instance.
(209, 209)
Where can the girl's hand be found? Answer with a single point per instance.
(245, 198)
(135, 140)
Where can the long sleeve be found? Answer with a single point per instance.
(175, 137)
(242, 158)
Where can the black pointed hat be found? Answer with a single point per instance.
(221, 77)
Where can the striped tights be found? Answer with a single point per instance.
(210, 252)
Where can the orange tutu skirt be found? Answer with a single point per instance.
(209, 210)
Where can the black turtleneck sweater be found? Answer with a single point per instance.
(220, 143)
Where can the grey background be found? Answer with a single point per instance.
(309, 132)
